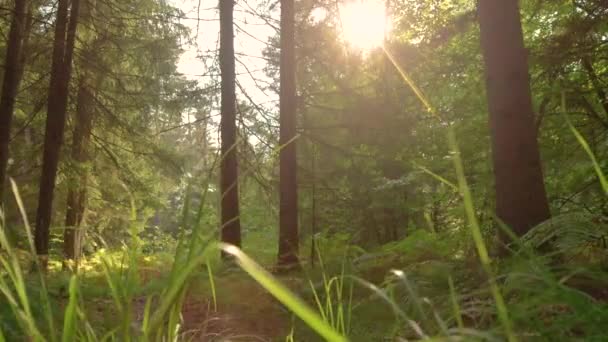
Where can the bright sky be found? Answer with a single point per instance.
(363, 24)
(251, 33)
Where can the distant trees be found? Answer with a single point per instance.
(521, 200)
(63, 49)
(13, 70)
(288, 187)
(230, 220)
(127, 79)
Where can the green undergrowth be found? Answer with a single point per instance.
(427, 285)
(548, 285)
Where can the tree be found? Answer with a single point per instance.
(521, 200)
(288, 187)
(77, 193)
(10, 85)
(230, 224)
(61, 69)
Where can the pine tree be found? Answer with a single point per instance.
(61, 70)
(231, 227)
(10, 86)
(77, 193)
(288, 187)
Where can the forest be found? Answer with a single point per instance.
(303, 170)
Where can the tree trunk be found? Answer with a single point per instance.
(63, 48)
(77, 192)
(10, 84)
(231, 227)
(313, 207)
(521, 200)
(288, 217)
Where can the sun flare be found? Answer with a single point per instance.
(364, 23)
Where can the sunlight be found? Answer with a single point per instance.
(364, 23)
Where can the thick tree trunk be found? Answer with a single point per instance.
(231, 226)
(313, 208)
(77, 193)
(288, 221)
(521, 200)
(63, 49)
(10, 84)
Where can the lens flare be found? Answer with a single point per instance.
(364, 23)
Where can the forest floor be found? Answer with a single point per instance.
(422, 283)
(241, 309)
(245, 312)
(236, 309)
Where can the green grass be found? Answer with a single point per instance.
(425, 297)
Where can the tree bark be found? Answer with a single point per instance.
(10, 84)
(231, 227)
(521, 200)
(76, 199)
(313, 207)
(63, 48)
(288, 217)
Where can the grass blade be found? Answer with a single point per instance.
(482, 251)
(70, 319)
(283, 294)
(455, 305)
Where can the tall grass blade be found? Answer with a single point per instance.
(437, 177)
(44, 293)
(70, 319)
(320, 306)
(413, 295)
(175, 315)
(171, 294)
(283, 294)
(468, 202)
(399, 314)
(581, 140)
(112, 283)
(455, 305)
(482, 251)
(147, 308)
(212, 285)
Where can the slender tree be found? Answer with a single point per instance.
(77, 193)
(231, 227)
(288, 187)
(10, 84)
(521, 200)
(61, 69)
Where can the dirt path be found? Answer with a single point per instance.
(245, 312)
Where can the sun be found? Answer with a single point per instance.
(364, 23)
